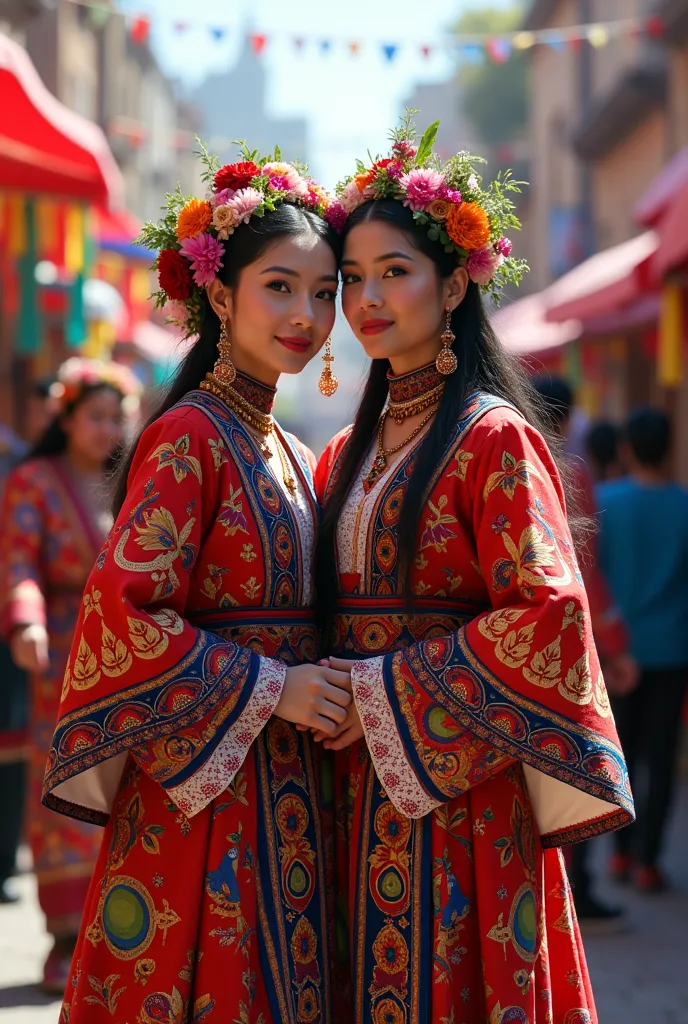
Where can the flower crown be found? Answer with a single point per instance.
(189, 237)
(463, 216)
(77, 374)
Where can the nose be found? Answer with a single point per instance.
(370, 297)
(302, 314)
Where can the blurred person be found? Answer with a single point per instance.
(42, 407)
(176, 731)
(55, 518)
(448, 587)
(602, 452)
(611, 637)
(13, 719)
(643, 551)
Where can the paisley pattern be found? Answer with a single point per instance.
(209, 895)
(489, 693)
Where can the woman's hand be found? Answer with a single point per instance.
(347, 733)
(315, 697)
(29, 647)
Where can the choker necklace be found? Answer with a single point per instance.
(252, 401)
(414, 392)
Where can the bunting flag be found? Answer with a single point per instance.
(29, 330)
(670, 339)
(473, 48)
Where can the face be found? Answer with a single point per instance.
(393, 297)
(95, 427)
(282, 309)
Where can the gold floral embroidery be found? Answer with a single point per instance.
(533, 553)
(85, 673)
(574, 617)
(177, 456)
(248, 554)
(218, 452)
(462, 459)
(212, 584)
(512, 646)
(511, 474)
(577, 686)
(421, 588)
(92, 603)
(437, 532)
(232, 513)
(421, 561)
(115, 656)
(159, 533)
(251, 588)
(495, 625)
(601, 698)
(545, 667)
(148, 642)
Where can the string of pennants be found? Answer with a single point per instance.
(467, 48)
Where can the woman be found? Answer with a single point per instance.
(480, 737)
(190, 661)
(55, 518)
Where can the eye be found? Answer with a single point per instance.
(327, 294)
(279, 286)
(394, 272)
(350, 278)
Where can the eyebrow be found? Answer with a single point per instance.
(386, 256)
(295, 273)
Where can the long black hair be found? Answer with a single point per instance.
(54, 440)
(483, 365)
(246, 245)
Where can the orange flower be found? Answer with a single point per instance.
(193, 219)
(364, 179)
(468, 226)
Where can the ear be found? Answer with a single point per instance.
(455, 287)
(220, 298)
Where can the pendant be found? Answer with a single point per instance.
(376, 471)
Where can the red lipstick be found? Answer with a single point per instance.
(295, 344)
(375, 326)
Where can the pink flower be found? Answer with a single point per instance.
(205, 255)
(504, 246)
(404, 150)
(336, 215)
(221, 197)
(452, 195)
(243, 203)
(351, 197)
(315, 194)
(395, 169)
(482, 264)
(422, 185)
(224, 220)
(176, 312)
(285, 178)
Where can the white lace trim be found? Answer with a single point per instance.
(226, 760)
(384, 742)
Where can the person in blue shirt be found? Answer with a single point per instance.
(643, 552)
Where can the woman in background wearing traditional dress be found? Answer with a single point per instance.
(194, 653)
(54, 520)
(480, 738)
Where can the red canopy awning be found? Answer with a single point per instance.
(44, 146)
(607, 281)
(664, 206)
(522, 328)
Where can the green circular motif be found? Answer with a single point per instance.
(523, 921)
(298, 880)
(391, 885)
(441, 725)
(129, 918)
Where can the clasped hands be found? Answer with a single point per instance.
(319, 697)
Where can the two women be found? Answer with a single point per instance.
(55, 518)
(194, 708)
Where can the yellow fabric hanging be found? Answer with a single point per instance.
(140, 286)
(17, 240)
(46, 224)
(670, 342)
(75, 254)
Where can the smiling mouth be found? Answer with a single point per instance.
(375, 326)
(295, 344)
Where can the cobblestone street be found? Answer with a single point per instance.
(639, 977)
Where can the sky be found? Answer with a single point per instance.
(350, 102)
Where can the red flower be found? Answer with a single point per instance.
(174, 274)
(236, 175)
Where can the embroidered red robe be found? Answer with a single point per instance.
(208, 896)
(488, 739)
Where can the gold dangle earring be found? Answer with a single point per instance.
(446, 361)
(327, 382)
(224, 369)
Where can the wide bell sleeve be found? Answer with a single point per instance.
(520, 681)
(22, 540)
(141, 678)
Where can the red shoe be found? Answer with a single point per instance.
(649, 880)
(620, 867)
(56, 970)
